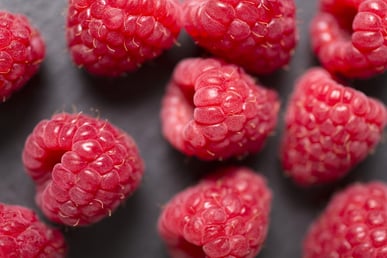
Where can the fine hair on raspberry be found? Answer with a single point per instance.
(214, 110)
(83, 167)
(22, 50)
(226, 214)
(329, 129)
(24, 235)
(349, 37)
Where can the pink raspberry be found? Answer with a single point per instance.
(84, 167)
(329, 129)
(225, 215)
(349, 37)
(22, 234)
(259, 35)
(214, 110)
(353, 224)
(109, 37)
(22, 50)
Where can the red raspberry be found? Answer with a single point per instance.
(22, 50)
(214, 110)
(22, 234)
(110, 37)
(83, 167)
(349, 37)
(354, 224)
(224, 215)
(329, 129)
(259, 35)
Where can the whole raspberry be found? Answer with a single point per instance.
(354, 224)
(84, 167)
(214, 110)
(225, 215)
(329, 129)
(350, 37)
(109, 37)
(22, 234)
(22, 50)
(259, 35)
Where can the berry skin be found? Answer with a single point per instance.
(83, 167)
(349, 37)
(329, 129)
(214, 110)
(225, 215)
(259, 35)
(110, 38)
(22, 50)
(354, 224)
(22, 234)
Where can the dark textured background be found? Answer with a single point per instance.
(133, 103)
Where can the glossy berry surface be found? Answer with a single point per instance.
(259, 35)
(22, 234)
(350, 37)
(354, 224)
(226, 214)
(214, 110)
(83, 167)
(22, 50)
(110, 38)
(329, 129)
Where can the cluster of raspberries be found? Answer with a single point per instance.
(213, 109)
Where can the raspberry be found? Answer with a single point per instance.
(259, 35)
(109, 37)
(22, 234)
(329, 129)
(353, 224)
(22, 50)
(214, 110)
(349, 37)
(225, 215)
(83, 167)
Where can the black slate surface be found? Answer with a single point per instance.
(133, 103)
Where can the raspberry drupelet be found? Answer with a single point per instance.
(22, 234)
(354, 224)
(111, 38)
(350, 37)
(83, 167)
(329, 129)
(225, 215)
(214, 110)
(259, 35)
(22, 50)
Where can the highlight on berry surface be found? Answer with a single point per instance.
(213, 110)
(83, 167)
(352, 225)
(350, 37)
(23, 234)
(22, 50)
(111, 38)
(259, 35)
(226, 214)
(329, 129)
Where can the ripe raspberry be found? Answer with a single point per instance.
(214, 110)
(224, 215)
(353, 224)
(22, 234)
(22, 50)
(83, 167)
(329, 129)
(259, 35)
(349, 37)
(109, 37)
